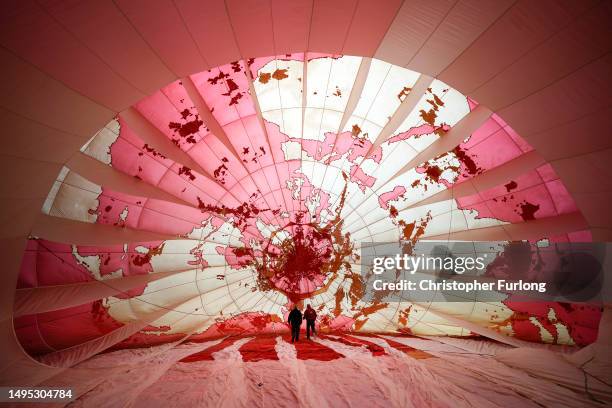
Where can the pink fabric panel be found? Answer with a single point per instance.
(453, 35)
(252, 24)
(131, 160)
(28, 335)
(181, 125)
(161, 25)
(169, 219)
(84, 351)
(150, 167)
(329, 25)
(580, 236)
(113, 204)
(414, 23)
(582, 319)
(48, 298)
(217, 161)
(188, 186)
(291, 21)
(519, 30)
(54, 264)
(588, 127)
(537, 194)
(50, 263)
(35, 96)
(493, 151)
(121, 47)
(249, 144)
(64, 328)
(77, 66)
(572, 97)
(130, 141)
(561, 197)
(225, 90)
(211, 29)
(489, 127)
(584, 40)
(369, 25)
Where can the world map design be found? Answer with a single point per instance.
(292, 164)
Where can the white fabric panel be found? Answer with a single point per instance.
(553, 367)
(478, 346)
(471, 373)
(133, 378)
(413, 25)
(260, 118)
(71, 197)
(89, 374)
(48, 298)
(491, 178)
(451, 139)
(386, 101)
(106, 176)
(523, 27)
(83, 233)
(370, 22)
(476, 328)
(539, 228)
(377, 72)
(319, 73)
(463, 24)
(360, 80)
(406, 108)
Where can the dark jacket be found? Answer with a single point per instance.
(310, 314)
(295, 317)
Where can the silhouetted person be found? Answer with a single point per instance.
(310, 315)
(295, 320)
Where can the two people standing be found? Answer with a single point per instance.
(295, 320)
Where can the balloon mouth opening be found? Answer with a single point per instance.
(297, 259)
